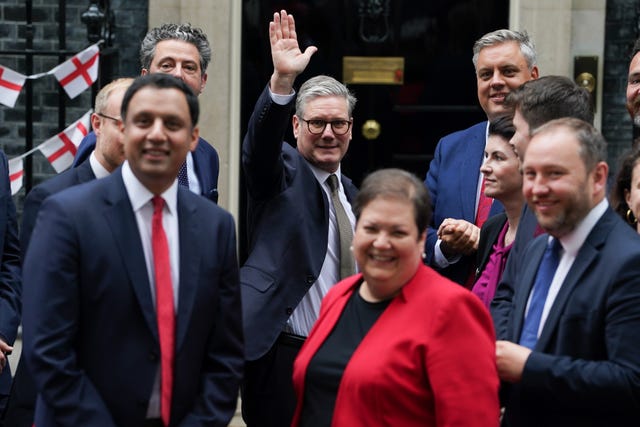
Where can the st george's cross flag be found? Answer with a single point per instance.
(61, 149)
(10, 86)
(78, 73)
(16, 173)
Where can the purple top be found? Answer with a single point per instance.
(485, 286)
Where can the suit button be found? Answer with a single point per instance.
(310, 280)
(289, 310)
(153, 356)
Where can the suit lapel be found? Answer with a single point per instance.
(84, 173)
(586, 256)
(121, 219)
(190, 261)
(523, 287)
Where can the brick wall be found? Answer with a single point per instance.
(622, 29)
(131, 19)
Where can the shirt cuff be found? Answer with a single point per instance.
(440, 260)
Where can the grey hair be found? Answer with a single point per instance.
(493, 38)
(184, 32)
(323, 86)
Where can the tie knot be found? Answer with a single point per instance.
(333, 182)
(158, 204)
(554, 246)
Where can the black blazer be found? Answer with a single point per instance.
(488, 235)
(287, 226)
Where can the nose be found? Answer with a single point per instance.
(381, 241)
(497, 79)
(485, 169)
(177, 71)
(156, 131)
(328, 132)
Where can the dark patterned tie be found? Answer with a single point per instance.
(183, 178)
(347, 265)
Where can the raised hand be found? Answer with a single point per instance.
(288, 60)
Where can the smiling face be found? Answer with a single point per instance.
(158, 134)
(327, 149)
(557, 186)
(632, 196)
(633, 90)
(501, 170)
(180, 59)
(387, 246)
(500, 69)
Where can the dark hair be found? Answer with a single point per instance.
(161, 81)
(636, 49)
(623, 182)
(503, 127)
(549, 98)
(593, 146)
(184, 32)
(398, 184)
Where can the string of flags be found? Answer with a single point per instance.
(59, 150)
(76, 75)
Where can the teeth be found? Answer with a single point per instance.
(381, 258)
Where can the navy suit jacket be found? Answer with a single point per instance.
(90, 331)
(288, 223)
(205, 159)
(585, 367)
(452, 181)
(10, 275)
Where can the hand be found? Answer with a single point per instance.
(511, 359)
(4, 350)
(288, 60)
(458, 237)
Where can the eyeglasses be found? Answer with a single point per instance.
(317, 126)
(109, 117)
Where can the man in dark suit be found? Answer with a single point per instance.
(503, 60)
(147, 330)
(572, 356)
(295, 250)
(184, 52)
(107, 156)
(10, 280)
(534, 103)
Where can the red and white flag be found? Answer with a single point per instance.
(61, 149)
(10, 86)
(78, 73)
(16, 173)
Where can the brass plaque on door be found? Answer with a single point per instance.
(373, 70)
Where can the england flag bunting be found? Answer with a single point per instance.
(10, 86)
(61, 149)
(78, 73)
(16, 173)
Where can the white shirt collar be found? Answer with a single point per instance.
(573, 241)
(139, 195)
(98, 170)
(322, 175)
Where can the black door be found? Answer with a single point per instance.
(438, 91)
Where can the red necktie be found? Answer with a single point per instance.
(164, 307)
(484, 206)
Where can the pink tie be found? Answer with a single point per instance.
(164, 307)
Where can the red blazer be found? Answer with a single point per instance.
(429, 360)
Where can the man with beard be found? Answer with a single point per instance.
(633, 91)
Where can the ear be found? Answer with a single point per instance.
(203, 82)
(627, 196)
(296, 126)
(195, 134)
(600, 174)
(96, 123)
(144, 72)
(534, 72)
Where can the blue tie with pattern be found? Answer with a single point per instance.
(546, 271)
(183, 178)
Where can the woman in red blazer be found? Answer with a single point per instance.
(397, 344)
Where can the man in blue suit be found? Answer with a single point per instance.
(107, 156)
(184, 52)
(10, 280)
(503, 61)
(572, 356)
(294, 245)
(146, 331)
(534, 103)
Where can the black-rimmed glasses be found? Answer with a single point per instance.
(317, 126)
(109, 117)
